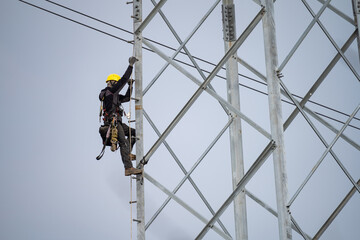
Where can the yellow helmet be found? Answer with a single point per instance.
(113, 77)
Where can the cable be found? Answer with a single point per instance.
(291, 103)
(182, 62)
(150, 40)
(200, 59)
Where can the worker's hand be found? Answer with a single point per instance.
(132, 60)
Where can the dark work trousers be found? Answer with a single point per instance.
(131, 137)
(123, 142)
(124, 146)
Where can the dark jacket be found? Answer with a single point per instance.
(112, 99)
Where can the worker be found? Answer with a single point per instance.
(112, 116)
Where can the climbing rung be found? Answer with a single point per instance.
(135, 220)
(131, 202)
(132, 121)
(136, 99)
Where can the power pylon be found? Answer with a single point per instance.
(273, 135)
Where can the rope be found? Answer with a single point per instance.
(131, 208)
(129, 123)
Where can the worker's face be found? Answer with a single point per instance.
(111, 83)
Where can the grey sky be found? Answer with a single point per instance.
(52, 70)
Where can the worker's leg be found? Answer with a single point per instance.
(124, 147)
(131, 136)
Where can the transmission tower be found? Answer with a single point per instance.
(271, 128)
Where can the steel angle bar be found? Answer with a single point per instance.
(336, 159)
(183, 204)
(318, 82)
(182, 45)
(240, 186)
(149, 17)
(332, 41)
(252, 69)
(305, 33)
(302, 233)
(269, 209)
(310, 112)
(332, 128)
(356, 13)
(179, 39)
(322, 140)
(211, 92)
(187, 174)
(328, 149)
(335, 213)
(311, 91)
(338, 12)
(204, 85)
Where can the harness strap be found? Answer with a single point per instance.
(104, 145)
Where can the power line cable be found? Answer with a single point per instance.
(182, 62)
(171, 48)
(150, 40)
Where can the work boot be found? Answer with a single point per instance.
(130, 171)
(132, 157)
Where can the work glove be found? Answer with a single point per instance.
(132, 60)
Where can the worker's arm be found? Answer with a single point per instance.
(126, 97)
(125, 78)
(121, 83)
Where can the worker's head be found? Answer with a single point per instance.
(112, 79)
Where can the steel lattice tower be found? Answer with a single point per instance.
(274, 136)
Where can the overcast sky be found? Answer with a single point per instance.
(52, 69)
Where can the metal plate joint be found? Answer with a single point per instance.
(228, 19)
(137, 11)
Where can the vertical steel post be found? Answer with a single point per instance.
(137, 15)
(233, 95)
(277, 130)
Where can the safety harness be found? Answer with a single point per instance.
(110, 119)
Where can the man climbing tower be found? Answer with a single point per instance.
(112, 132)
